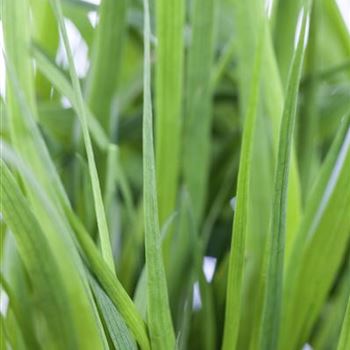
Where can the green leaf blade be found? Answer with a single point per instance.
(169, 97)
(98, 202)
(344, 341)
(158, 310)
(239, 229)
(274, 254)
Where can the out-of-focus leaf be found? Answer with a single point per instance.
(344, 341)
(239, 230)
(198, 107)
(316, 254)
(168, 101)
(106, 55)
(61, 83)
(46, 34)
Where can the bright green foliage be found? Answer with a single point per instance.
(168, 98)
(158, 312)
(176, 176)
(35, 253)
(344, 341)
(198, 104)
(106, 58)
(100, 213)
(275, 243)
(236, 262)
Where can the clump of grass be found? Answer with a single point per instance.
(219, 219)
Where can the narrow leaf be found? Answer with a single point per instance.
(274, 254)
(169, 98)
(344, 341)
(107, 49)
(198, 118)
(158, 311)
(110, 284)
(38, 259)
(114, 322)
(98, 202)
(239, 231)
(317, 255)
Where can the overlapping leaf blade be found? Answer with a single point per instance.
(327, 210)
(39, 262)
(98, 203)
(275, 244)
(239, 230)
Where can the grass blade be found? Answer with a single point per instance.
(94, 260)
(309, 162)
(107, 52)
(24, 322)
(110, 284)
(40, 264)
(169, 96)
(60, 239)
(274, 100)
(113, 321)
(21, 107)
(284, 33)
(98, 202)
(158, 310)
(274, 254)
(198, 105)
(331, 325)
(46, 34)
(17, 42)
(133, 202)
(344, 341)
(310, 276)
(239, 230)
(33, 148)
